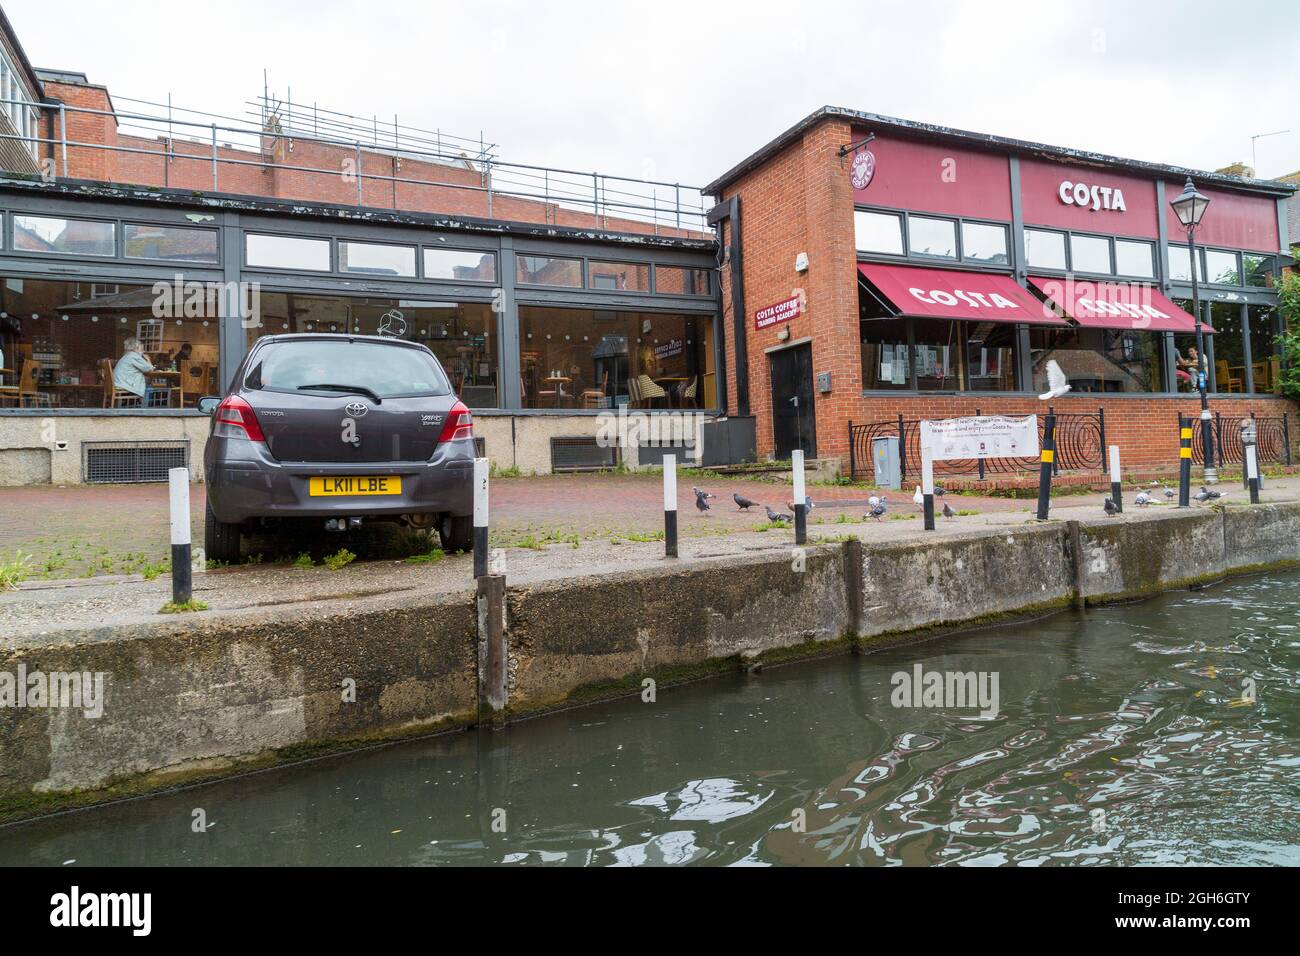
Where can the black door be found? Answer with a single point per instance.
(794, 423)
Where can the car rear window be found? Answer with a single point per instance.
(390, 371)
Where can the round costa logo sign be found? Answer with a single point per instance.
(864, 167)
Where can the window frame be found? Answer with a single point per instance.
(330, 245)
(582, 272)
(210, 264)
(11, 247)
(422, 267)
(905, 217)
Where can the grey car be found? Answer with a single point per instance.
(338, 429)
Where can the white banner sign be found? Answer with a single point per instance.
(988, 436)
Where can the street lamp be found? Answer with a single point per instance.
(1189, 208)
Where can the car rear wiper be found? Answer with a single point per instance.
(359, 389)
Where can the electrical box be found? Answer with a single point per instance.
(824, 382)
(884, 457)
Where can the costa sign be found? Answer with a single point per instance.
(976, 300)
(1091, 197)
(782, 311)
(863, 169)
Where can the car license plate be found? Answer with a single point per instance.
(355, 485)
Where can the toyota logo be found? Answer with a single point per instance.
(357, 409)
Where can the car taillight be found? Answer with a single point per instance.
(235, 419)
(460, 424)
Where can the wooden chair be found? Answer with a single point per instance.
(595, 397)
(114, 397)
(8, 393)
(649, 389)
(1224, 378)
(28, 394)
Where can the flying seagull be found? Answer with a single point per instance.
(947, 511)
(744, 503)
(1056, 383)
(1110, 507)
(774, 517)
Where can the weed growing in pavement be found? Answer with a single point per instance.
(304, 561)
(432, 556)
(15, 570)
(339, 559)
(189, 607)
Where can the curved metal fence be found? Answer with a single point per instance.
(1272, 438)
(1080, 446)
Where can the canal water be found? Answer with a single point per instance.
(1166, 732)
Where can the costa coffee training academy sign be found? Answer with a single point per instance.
(783, 311)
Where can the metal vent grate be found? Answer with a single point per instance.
(581, 454)
(131, 462)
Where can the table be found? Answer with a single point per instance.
(559, 381)
(666, 382)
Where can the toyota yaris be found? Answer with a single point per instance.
(338, 429)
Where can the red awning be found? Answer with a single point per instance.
(1116, 305)
(946, 294)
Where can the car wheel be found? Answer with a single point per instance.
(457, 533)
(220, 539)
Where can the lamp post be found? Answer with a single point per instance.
(1189, 208)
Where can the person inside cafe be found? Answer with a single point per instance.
(131, 368)
(1186, 367)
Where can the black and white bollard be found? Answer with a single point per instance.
(1252, 470)
(1116, 484)
(1184, 463)
(927, 488)
(178, 486)
(1046, 461)
(670, 506)
(481, 470)
(800, 506)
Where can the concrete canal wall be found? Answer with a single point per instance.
(213, 695)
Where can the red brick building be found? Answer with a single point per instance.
(881, 269)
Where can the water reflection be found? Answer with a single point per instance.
(1125, 736)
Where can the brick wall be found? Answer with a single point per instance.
(324, 173)
(801, 200)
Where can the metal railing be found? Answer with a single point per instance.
(1080, 446)
(1273, 438)
(612, 203)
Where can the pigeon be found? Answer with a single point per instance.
(807, 504)
(773, 517)
(1110, 507)
(701, 503)
(1205, 495)
(1169, 493)
(1142, 500)
(918, 498)
(1056, 383)
(940, 491)
(877, 512)
(873, 501)
(947, 511)
(744, 503)
(701, 493)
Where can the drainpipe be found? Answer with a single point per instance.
(730, 210)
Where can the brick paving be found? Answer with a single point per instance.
(83, 531)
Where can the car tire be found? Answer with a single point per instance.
(457, 533)
(220, 539)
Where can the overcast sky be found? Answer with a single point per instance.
(682, 91)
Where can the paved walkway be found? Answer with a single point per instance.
(95, 531)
